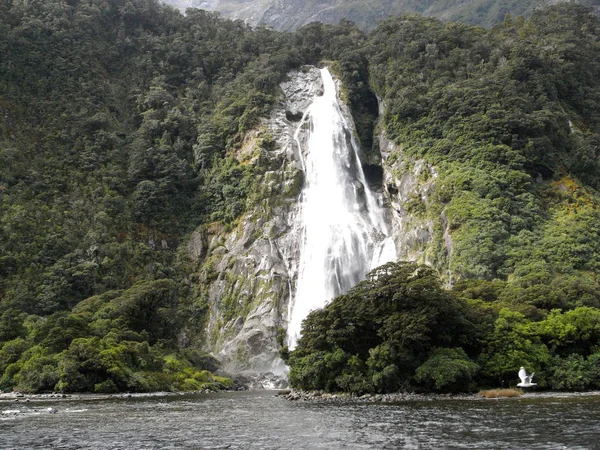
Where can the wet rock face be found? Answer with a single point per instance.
(248, 273)
(409, 185)
(406, 187)
(300, 89)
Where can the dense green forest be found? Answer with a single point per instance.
(117, 117)
(399, 329)
(119, 121)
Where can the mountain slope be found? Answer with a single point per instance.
(133, 147)
(116, 120)
(292, 14)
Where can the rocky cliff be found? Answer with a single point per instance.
(419, 226)
(248, 272)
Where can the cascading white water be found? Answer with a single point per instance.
(344, 234)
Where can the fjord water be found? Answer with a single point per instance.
(344, 234)
(260, 420)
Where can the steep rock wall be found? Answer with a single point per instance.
(248, 272)
(419, 226)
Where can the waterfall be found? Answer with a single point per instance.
(344, 234)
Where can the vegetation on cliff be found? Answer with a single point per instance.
(117, 121)
(119, 124)
(510, 118)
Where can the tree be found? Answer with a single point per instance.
(378, 333)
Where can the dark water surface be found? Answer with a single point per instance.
(260, 420)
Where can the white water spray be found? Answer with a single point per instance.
(344, 231)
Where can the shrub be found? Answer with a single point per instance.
(497, 393)
(447, 369)
(574, 373)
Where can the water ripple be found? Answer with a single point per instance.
(262, 421)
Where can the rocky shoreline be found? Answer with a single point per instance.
(399, 397)
(287, 394)
(22, 397)
(318, 396)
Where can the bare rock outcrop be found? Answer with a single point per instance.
(248, 272)
(420, 228)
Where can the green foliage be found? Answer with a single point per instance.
(377, 335)
(448, 369)
(317, 370)
(117, 341)
(573, 332)
(104, 364)
(227, 187)
(38, 371)
(575, 373)
(400, 330)
(511, 345)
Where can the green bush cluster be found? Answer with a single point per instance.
(399, 330)
(117, 341)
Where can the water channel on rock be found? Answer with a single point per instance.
(261, 420)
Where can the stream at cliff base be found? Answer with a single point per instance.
(261, 420)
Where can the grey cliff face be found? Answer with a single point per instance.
(249, 272)
(421, 231)
(406, 186)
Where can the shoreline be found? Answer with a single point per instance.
(287, 394)
(400, 397)
(21, 397)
